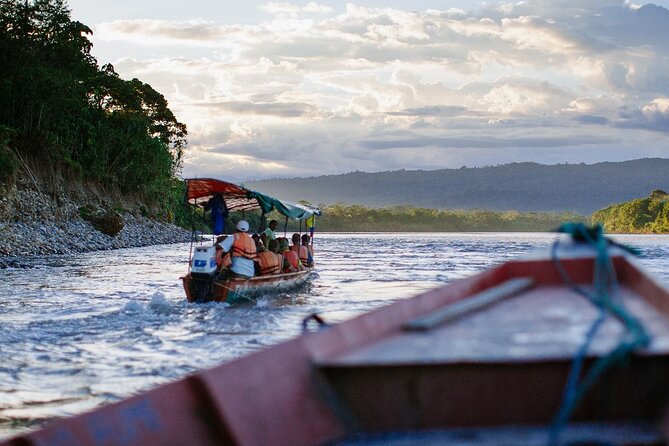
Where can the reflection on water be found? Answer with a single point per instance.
(78, 331)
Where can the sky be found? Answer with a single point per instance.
(307, 88)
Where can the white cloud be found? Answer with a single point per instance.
(526, 97)
(657, 107)
(338, 86)
(317, 8)
(280, 8)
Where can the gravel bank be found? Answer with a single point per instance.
(32, 223)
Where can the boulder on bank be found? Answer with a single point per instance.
(106, 221)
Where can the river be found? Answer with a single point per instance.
(79, 331)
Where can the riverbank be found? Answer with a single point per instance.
(33, 223)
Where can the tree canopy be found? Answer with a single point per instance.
(59, 109)
(643, 215)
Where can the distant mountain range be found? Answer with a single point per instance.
(582, 188)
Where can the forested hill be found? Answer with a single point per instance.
(642, 215)
(581, 188)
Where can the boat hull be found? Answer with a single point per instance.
(239, 290)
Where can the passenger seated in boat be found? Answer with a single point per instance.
(296, 243)
(276, 249)
(258, 242)
(270, 261)
(306, 251)
(256, 261)
(291, 260)
(269, 232)
(222, 257)
(242, 248)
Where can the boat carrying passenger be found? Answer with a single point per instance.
(213, 275)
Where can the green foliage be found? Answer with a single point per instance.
(8, 162)
(177, 211)
(643, 215)
(357, 218)
(86, 212)
(68, 114)
(8, 165)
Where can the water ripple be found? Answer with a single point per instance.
(82, 330)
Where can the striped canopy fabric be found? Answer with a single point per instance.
(238, 198)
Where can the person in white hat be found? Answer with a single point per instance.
(242, 248)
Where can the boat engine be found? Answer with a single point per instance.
(203, 271)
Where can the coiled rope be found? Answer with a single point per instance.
(605, 289)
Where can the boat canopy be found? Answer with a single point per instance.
(237, 198)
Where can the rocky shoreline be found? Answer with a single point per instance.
(34, 224)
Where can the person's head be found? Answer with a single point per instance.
(305, 239)
(220, 240)
(283, 244)
(263, 238)
(255, 237)
(273, 224)
(296, 239)
(274, 246)
(243, 226)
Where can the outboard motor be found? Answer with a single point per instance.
(203, 271)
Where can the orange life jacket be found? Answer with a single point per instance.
(270, 263)
(304, 255)
(292, 258)
(223, 258)
(243, 246)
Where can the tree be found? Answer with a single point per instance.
(64, 112)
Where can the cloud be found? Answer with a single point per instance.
(278, 109)
(163, 32)
(317, 8)
(434, 110)
(280, 8)
(652, 116)
(483, 142)
(591, 119)
(312, 89)
(657, 109)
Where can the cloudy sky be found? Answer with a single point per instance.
(304, 88)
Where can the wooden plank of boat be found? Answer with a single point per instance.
(236, 290)
(496, 367)
(503, 365)
(473, 303)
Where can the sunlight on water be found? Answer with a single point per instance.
(82, 330)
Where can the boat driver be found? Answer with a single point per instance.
(269, 232)
(243, 251)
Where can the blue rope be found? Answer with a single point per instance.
(633, 338)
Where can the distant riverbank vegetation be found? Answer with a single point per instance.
(355, 218)
(643, 215)
(409, 219)
(66, 120)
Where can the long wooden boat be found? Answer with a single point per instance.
(484, 360)
(238, 290)
(202, 284)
